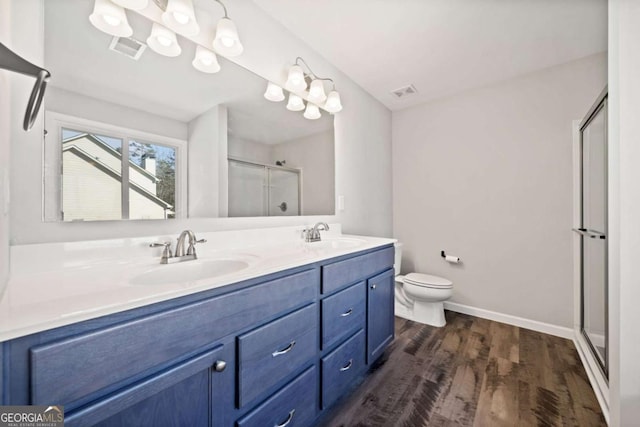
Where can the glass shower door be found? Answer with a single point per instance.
(593, 231)
(247, 196)
(284, 191)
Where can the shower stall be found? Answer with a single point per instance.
(257, 189)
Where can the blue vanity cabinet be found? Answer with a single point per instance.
(269, 351)
(380, 314)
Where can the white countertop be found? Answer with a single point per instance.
(57, 284)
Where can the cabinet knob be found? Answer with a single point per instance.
(220, 365)
(373, 286)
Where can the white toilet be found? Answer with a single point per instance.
(420, 297)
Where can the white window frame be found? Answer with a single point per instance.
(52, 159)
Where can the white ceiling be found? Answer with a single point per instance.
(443, 47)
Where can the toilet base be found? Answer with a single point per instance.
(428, 313)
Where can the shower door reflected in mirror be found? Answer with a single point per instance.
(262, 190)
(593, 231)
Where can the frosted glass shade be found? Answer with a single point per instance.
(205, 61)
(274, 93)
(316, 92)
(333, 104)
(110, 18)
(312, 112)
(163, 41)
(181, 17)
(227, 42)
(295, 79)
(132, 4)
(295, 103)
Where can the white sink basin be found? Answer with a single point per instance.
(337, 243)
(189, 271)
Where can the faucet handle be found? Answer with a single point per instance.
(201, 241)
(166, 253)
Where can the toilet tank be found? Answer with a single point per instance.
(397, 261)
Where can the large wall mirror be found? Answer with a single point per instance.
(137, 135)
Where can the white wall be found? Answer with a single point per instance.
(311, 154)
(624, 212)
(5, 118)
(363, 143)
(246, 149)
(486, 175)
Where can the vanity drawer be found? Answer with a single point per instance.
(343, 314)
(343, 273)
(293, 406)
(271, 353)
(341, 367)
(67, 370)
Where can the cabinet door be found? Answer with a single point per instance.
(180, 396)
(380, 322)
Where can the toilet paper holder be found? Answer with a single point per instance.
(448, 258)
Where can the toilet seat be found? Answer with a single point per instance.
(427, 281)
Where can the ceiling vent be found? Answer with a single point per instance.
(128, 46)
(404, 91)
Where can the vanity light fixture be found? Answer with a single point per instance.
(163, 41)
(178, 16)
(274, 93)
(312, 112)
(295, 103)
(181, 17)
(110, 18)
(206, 60)
(297, 82)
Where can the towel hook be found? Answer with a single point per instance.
(11, 61)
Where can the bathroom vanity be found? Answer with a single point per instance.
(273, 349)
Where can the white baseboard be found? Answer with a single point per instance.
(534, 325)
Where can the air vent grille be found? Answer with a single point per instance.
(404, 91)
(128, 46)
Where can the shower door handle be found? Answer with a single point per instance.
(590, 233)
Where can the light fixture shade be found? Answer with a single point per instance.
(132, 4)
(110, 18)
(312, 112)
(295, 79)
(205, 61)
(227, 42)
(274, 93)
(295, 103)
(333, 104)
(180, 17)
(163, 41)
(316, 92)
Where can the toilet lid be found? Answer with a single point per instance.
(427, 280)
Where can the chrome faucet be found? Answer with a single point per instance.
(313, 234)
(180, 254)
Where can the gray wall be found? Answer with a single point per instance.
(363, 144)
(487, 175)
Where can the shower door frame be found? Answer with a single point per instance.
(600, 104)
(596, 374)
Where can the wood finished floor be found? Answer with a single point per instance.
(472, 372)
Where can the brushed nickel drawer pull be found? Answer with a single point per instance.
(285, 350)
(346, 313)
(347, 366)
(373, 286)
(288, 420)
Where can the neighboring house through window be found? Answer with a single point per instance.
(110, 173)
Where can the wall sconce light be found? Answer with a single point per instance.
(178, 17)
(297, 82)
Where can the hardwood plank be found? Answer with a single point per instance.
(472, 372)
